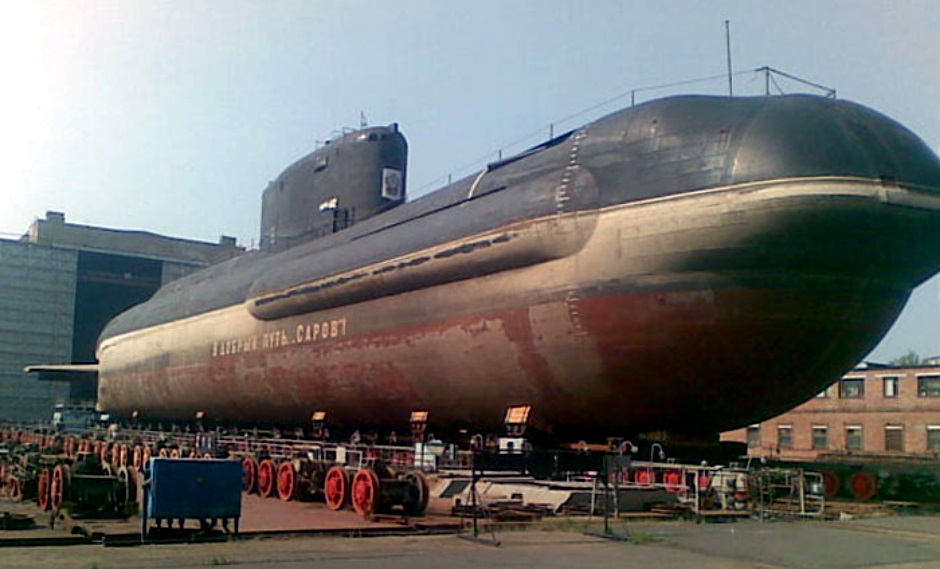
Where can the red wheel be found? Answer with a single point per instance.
(830, 484)
(104, 451)
(704, 481)
(416, 502)
(42, 489)
(59, 487)
(266, 477)
(673, 480)
(365, 492)
(287, 488)
(336, 488)
(863, 485)
(137, 458)
(644, 476)
(174, 453)
(249, 475)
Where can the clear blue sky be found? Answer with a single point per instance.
(171, 116)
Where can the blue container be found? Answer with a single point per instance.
(183, 488)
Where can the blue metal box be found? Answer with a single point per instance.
(195, 488)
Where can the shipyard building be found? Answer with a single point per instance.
(60, 283)
(874, 410)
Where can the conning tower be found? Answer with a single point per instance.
(349, 179)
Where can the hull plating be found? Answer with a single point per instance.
(701, 311)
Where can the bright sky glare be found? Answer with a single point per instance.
(172, 116)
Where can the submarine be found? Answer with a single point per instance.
(692, 264)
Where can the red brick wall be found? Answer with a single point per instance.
(873, 413)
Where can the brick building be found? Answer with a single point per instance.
(874, 410)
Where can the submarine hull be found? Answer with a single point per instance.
(698, 312)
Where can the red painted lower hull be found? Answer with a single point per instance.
(700, 361)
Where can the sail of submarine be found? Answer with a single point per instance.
(691, 264)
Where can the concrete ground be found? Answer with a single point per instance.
(905, 542)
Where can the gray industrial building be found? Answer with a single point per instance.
(60, 284)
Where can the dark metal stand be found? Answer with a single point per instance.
(612, 463)
(475, 510)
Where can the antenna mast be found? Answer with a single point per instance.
(728, 52)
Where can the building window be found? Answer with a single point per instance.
(825, 393)
(894, 438)
(889, 386)
(933, 438)
(928, 386)
(852, 388)
(820, 437)
(784, 436)
(853, 438)
(753, 436)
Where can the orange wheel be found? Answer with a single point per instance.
(704, 481)
(863, 486)
(287, 488)
(365, 492)
(673, 480)
(249, 475)
(644, 476)
(267, 473)
(42, 490)
(59, 487)
(336, 488)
